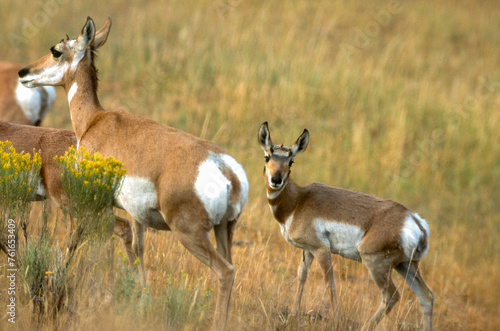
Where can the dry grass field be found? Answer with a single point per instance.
(402, 100)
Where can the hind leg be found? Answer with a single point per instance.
(138, 246)
(196, 241)
(380, 270)
(124, 231)
(224, 238)
(411, 273)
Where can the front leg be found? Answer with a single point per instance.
(324, 258)
(307, 259)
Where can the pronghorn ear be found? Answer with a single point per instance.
(86, 37)
(102, 35)
(265, 138)
(301, 143)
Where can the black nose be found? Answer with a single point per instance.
(276, 180)
(23, 72)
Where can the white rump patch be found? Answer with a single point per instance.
(242, 177)
(412, 235)
(137, 196)
(72, 91)
(343, 239)
(213, 188)
(33, 101)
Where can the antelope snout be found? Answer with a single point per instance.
(276, 181)
(23, 72)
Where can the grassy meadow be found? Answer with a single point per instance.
(402, 100)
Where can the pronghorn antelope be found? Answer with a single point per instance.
(174, 181)
(19, 104)
(50, 143)
(320, 219)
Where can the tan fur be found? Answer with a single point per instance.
(10, 110)
(50, 143)
(381, 222)
(167, 158)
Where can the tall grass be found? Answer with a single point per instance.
(404, 106)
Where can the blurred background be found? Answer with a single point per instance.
(401, 99)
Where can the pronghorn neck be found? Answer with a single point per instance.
(283, 201)
(81, 91)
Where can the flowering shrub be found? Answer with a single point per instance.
(19, 179)
(90, 183)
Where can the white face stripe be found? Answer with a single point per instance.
(49, 76)
(72, 91)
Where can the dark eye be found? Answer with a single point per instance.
(267, 157)
(290, 164)
(55, 53)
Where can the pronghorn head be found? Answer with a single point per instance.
(60, 66)
(279, 158)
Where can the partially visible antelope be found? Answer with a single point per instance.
(19, 104)
(320, 219)
(50, 143)
(174, 181)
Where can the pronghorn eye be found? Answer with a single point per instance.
(267, 157)
(55, 53)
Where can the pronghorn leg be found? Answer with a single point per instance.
(224, 238)
(380, 270)
(412, 276)
(199, 245)
(138, 245)
(307, 260)
(124, 231)
(324, 258)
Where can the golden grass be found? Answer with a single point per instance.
(401, 99)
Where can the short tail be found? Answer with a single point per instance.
(415, 237)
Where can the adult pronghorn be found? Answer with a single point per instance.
(19, 104)
(321, 219)
(174, 181)
(50, 143)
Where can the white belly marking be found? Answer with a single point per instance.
(343, 239)
(137, 196)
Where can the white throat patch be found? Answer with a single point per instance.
(273, 195)
(72, 91)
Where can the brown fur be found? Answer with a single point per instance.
(10, 111)
(51, 143)
(166, 157)
(380, 220)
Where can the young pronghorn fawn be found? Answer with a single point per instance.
(50, 143)
(174, 181)
(320, 219)
(19, 104)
